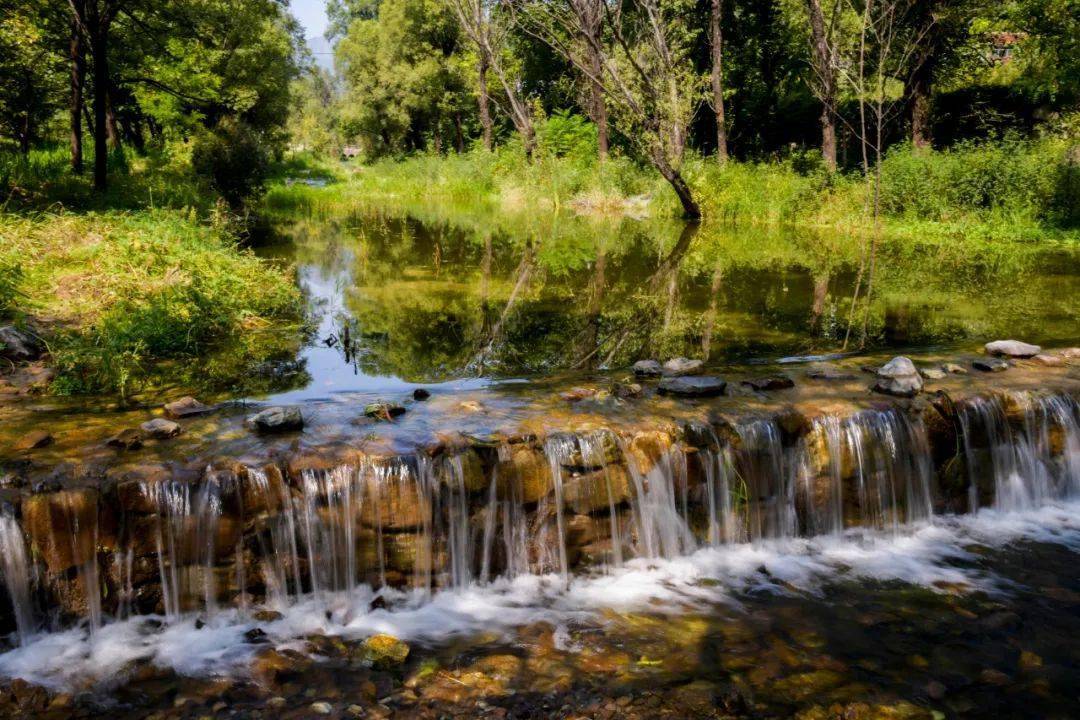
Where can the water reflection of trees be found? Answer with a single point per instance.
(431, 301)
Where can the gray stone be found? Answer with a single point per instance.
(899, 377)
(773, 382)
(677, 367)
(127, 439)
(933, 373)
(160, 429)
(277, 420)
(1011, 348)
(185, 407)
(991, 365)
(954, 369)
(18, 345)
(693, 386)
(647, 368)
(1048, 360)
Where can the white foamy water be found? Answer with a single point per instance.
(935, 555)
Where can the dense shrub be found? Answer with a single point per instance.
(235, 160)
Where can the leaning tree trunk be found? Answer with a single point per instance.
(826, 81)
(716, 43)
(75, 107)
(691, 210)
(484, 100)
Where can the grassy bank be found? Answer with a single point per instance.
(1008, 190)
(119, 285)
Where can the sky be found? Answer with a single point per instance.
(312, 15)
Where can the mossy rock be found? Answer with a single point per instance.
(384, 651)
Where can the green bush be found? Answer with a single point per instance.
(234, 159)
(567, 134)
(10, 276)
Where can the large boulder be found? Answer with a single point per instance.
(185, 407)
(647, 368)
(899, 377)
(18, 345)
(1011, 348)
(160, 429)
(699, 386)
(276, 420)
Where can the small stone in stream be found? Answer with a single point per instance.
(379, 603)
(933, 373)
(648, 368)
(18, 345)
(578, 394)
(773, 382)
(1069, 353)
(276, 420)
(935, 690)
(355, 711)
(185, 407)
(994, 677)
(33, 440)
(828, 373)
(266, 616)
(699, 386)
(256, 636)
(276, 702)
(322, 708)
(1011, 348)
(383, 410)
(990, 365)
(384, 651)
(160, 428)
(898, 377)
(420, 394)
(677, 367)
(626, 390)
(1048, 360)
(954, 369)
(127, 439)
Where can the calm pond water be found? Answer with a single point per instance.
(402, 301)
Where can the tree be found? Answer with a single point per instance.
(823, 58)
(716, 76)
(646, 75)
(29, 73)
(485, 26)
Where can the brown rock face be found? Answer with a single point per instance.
(33, 440)
(597, 490)
(64, 528)
(526, 475)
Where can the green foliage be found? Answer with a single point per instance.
(234, 158)
(566, 133)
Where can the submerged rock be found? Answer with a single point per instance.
(677, 367)
(772, 382)
(829, 372)
(648, 368)
(126, 439)
(696, 386)
(33, 440)
(420, 394)
(1048, 360)
(276, 420)
(954, 369)
(1011, 348)
(990, 365)
(899, 377)
(161, 429)
(577, 394)
(383, 410)
(185, 407)
(18, 345)
(626, 390)
(384, 651)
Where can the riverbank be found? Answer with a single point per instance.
(996, 191)
(107, 288)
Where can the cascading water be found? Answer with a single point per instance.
(15, 568)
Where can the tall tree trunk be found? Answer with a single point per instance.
(822, 57)
(75, 108)
(485, 100)
(599, 106)
(112, 128)
(920, 82)
(99, 47)
(458, 134)
(716, 44)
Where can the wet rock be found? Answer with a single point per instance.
(626, 390)
(647, 448)
(990, 365)
(898, 377)
(526, 475)
(954, 369)
(321, 708)
(384, 651)
(933, 373)
(276, 420)
(185, 407)
(160, 429)
(991, 676)
(578, 394)
(383, 410)
(266, 616)
(18, 345)
(33, 440)
(420, 394)
(127, 439)
(700, 386)
(64, 529)
(648, 368)
(935, 690)
(677, 367)
(1069, 353)
(597, 490)
(1048, 360)
(1011, 348)
(772, 382)
(829, 373)
(256, 636)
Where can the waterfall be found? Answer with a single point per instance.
(16, 570)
